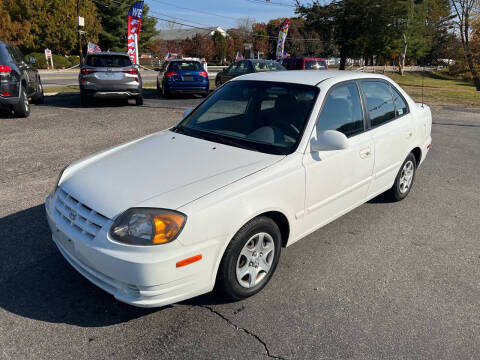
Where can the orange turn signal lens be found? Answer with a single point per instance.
(167, 226)
(189, 260)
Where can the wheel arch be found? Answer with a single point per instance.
(417, 152)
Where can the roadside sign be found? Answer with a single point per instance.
(48, 55)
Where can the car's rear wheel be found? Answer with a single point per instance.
(139, 100)
(218, 82)
(22, 108)
(39, 97)
(165, 93)
(250, 259)
(404, 180)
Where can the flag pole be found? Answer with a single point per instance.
(136, 49)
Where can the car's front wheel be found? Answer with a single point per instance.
(22, 109)
(404, 180)
(250, 259)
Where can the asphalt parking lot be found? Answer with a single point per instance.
(387, 280)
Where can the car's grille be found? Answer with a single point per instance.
(84, 221)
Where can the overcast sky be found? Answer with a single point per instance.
(219, 13)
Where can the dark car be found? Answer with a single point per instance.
(243, 67)
(305, 63)
(109, 75)
(19, 81)
(182, 76)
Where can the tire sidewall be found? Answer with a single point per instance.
(227, 278)
(396, 187)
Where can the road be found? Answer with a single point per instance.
(70, 78)
(387, 280)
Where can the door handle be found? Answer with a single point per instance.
(365, 153)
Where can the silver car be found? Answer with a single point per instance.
(109, 75)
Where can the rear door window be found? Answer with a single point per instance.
(379, 102)
(108, 61)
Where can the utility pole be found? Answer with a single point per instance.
(79, 33)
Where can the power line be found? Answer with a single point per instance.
(268, 2)
(194, 10)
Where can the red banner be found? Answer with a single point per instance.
(133, 35)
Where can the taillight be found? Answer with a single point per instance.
(5, 69)
(7, 93)
(133, 71)
(170, 73)
(86, 71)
(203, 73)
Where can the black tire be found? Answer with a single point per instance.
(39, 97)
(84, 99)
(165, 93)
(218, 82)
(205, 94)
(139, 100)
(398, 191)
(159, 90)
(227, 282)
(22, 109)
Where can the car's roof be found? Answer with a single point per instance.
(183, 60)
(108, 53)
(259, 60)
(308, 77)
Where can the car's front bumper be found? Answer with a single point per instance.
(140, 276)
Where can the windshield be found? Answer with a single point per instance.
(257, 115)
(315, 65)
(108, 61)
(260, 66)
(186, 65)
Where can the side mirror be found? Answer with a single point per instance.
(329, 140)
(187, 112)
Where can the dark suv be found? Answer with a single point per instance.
(19, 81)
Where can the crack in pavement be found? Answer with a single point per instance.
(246, 331)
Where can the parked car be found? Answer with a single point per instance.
(109, 75)
(243, 67)
(266, 160)
(20, 82)
(305, 63)
(182, 76)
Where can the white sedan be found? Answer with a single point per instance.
(264, 161)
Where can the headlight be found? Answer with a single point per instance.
(146, 226)
(58, 179)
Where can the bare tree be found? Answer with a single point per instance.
(171, 24)
(245, 24)
(465, 13)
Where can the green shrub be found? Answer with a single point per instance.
(40, 57)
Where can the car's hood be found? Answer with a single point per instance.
(172, 168)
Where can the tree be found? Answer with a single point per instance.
(13, 32)
(54, 23)
(465, 16)
(220, 46)
(113, 17)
